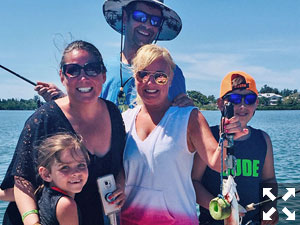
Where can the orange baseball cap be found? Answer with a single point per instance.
(226, 85)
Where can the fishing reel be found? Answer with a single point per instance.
(219, 208)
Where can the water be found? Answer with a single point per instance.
(282, 126)
(11, 124)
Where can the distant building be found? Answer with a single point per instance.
(273, 98)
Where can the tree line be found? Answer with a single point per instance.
(22, 104)
(290, 100)
(284, 93)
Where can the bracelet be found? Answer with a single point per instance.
(34, 211)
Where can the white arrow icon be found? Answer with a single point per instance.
(291, 216)
(291, 191)
(267, 191)
(267, 216)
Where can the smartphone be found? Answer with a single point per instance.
(107, 186)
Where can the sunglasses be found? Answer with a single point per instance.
(142, 17)
(91, 69)
(160, 78)
(236, 99)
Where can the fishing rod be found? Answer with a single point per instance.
(252, 206)
(220, 208)
(14, 73)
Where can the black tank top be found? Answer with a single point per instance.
(250, 154)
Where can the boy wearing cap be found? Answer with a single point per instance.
(254, 154)
(140, 22)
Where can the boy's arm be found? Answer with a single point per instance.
(269, 181)
(66, 211)
(203, 196)
(268, 173)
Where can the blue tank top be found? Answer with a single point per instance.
(250, 154)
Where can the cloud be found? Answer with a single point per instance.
(210, 68)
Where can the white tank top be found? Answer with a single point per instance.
(159, 188)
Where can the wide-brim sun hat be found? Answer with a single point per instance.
(226, 84)
(112, 10)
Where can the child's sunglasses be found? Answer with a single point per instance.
(160, 78)
(234, 98)
(91, 69)
(142, 17)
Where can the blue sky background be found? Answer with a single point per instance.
(261, 37)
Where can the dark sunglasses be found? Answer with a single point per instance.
(160, 78)
(234, 98)
(142, 17)
(91, 69)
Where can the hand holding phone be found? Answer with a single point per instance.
(107, 186)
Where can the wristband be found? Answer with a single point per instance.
(34, 211)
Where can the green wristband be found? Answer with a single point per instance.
(34, 211)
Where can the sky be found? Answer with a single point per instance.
(260, 37)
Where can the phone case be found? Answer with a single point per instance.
(106, 186)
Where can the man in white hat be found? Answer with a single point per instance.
(144, 21)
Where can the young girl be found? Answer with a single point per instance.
(62, 164)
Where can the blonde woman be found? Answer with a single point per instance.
(161, 142)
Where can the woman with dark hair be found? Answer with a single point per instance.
(83, 113)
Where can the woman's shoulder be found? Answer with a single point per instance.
(131, 112)
(111, 107)
(129, 115)
(182, 110)
(46, 109)
(117, 122)
(186, 108)
(43, 112)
